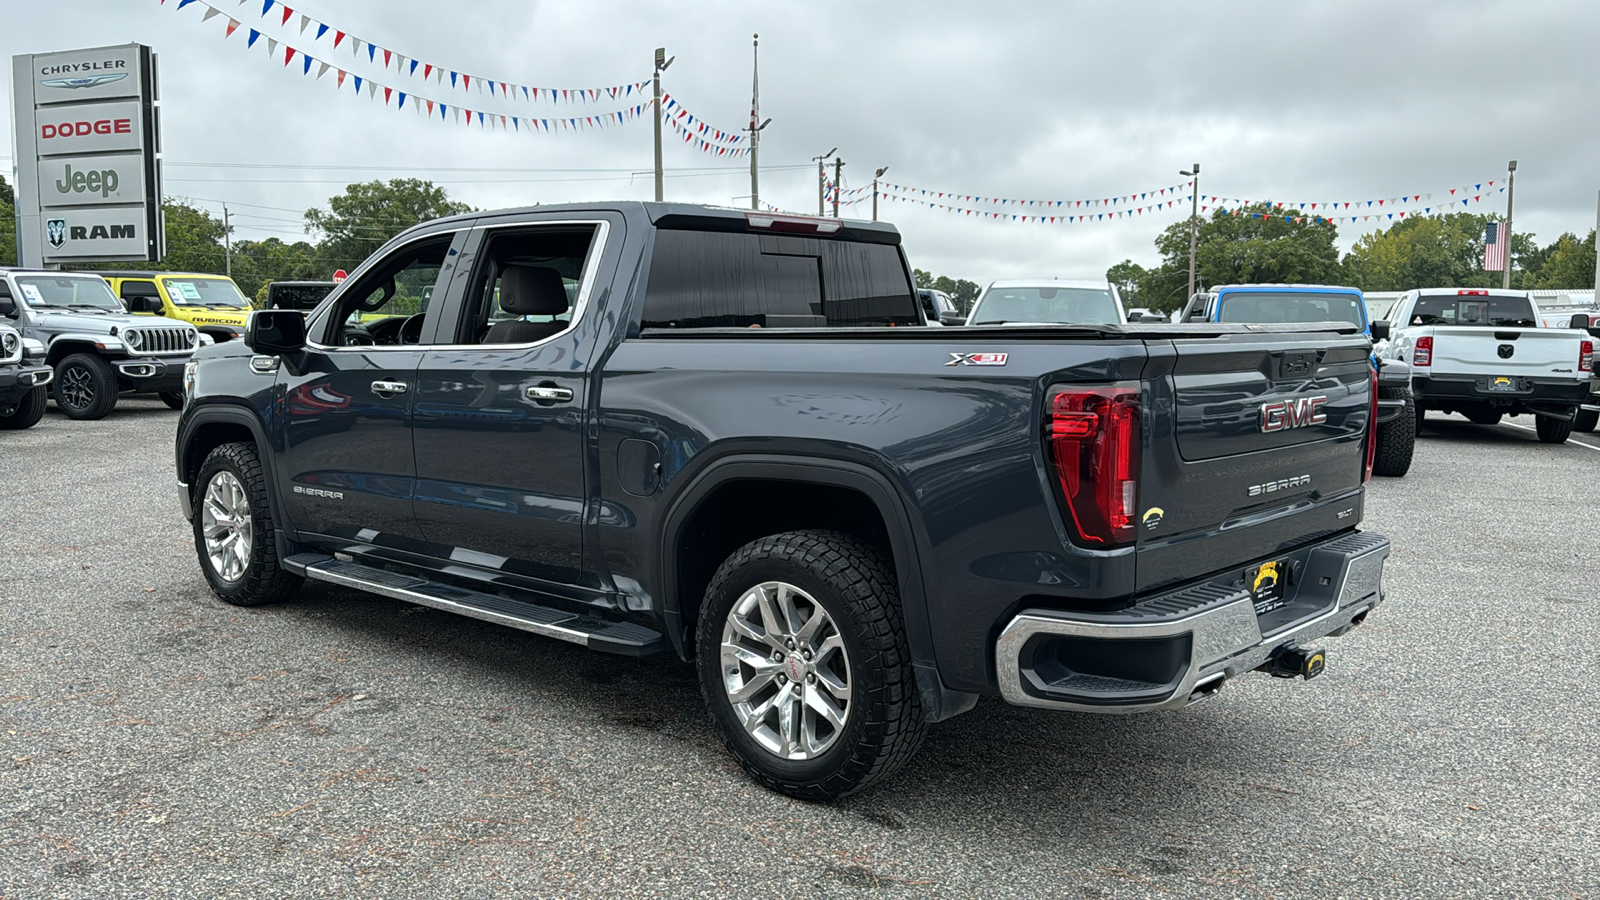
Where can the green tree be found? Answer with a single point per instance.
(366, 215)
(194, 242)
(258, 263)
(1435, 251)
(962, 292)
(1567, 263)
(1126, 276)
(1256, 244)
(8, 224)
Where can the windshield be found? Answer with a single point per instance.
(1475, 309)
(67, 290)
(1064, 305)
(205, 292)
(1290, 306)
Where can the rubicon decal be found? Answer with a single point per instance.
(977, 359)
(1281, 415)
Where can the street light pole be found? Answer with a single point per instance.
(661, 66)
(1194, 224)
(227, 241)
(838, 174)
(875, 176)
(755, 129)
(822, 180)
(1511, 195)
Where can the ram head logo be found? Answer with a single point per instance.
(56, 231)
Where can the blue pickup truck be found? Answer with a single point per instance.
(729, 436)
(1303, 304)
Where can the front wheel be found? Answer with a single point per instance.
(85, 387)
(1397, 439)
(27, 412)
(1552, 431)
(804, 665)
(234, 535)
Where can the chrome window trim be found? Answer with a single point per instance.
(317, 318)
(580, 304)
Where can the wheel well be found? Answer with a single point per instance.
(741, 511)
(207, 438)
(63, 349)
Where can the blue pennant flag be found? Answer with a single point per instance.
(452, 79)
(441, 111)
(413, 67)
(358, 84)
(321, 30)
(267, 6)
(254, 36)
(183, 3)
(372, 53)
(402, 104)
(309, 61)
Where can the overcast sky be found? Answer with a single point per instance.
(1292, 101)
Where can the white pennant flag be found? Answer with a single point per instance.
(400, 63)
(210, 11)
(372, 89)
(355, 46)
(305, 20)
(272, 47)
(322, 70)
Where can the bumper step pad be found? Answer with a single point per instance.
(624, 638)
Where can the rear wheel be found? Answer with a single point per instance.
(85, 387)
(173, 399)
(1552, 431)
(804, 666)
(234, 535)
(1586, 420)
(1484, 417)
(27, 412)
(1397, 439)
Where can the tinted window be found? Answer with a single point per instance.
(139, 289)
(702, 279)
(1289, 306)
(1053, 305)
(297, 296)
(1474, 309)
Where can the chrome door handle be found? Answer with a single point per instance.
(548, 393)
(389, 388)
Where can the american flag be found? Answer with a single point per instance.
(1495, 239)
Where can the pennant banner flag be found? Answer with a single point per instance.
(683, 120)
(1384, 209)
(1045, 218)
(704, 146)
(1144, 199)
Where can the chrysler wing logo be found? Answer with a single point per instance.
(83, 81)
(1281, 415)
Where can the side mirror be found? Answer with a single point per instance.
(1580, 320)
(953, 320)
(8, 307)
(275, 332)
(1380, 330)
(144, 304)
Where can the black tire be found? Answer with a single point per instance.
(1552, 431)
(27, 413)
(173, 399)
(1484, 418)
(1397, 439)
(85, 387)
(884, 724)
(1586, 420)
(263, 580)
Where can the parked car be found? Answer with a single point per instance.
(1480, 352)
(1305, 303)
(97, 349)
(936, 306)
(1583, 316)
(1144, 314)
(851, 529)
(301, 295)
(23, 379)
(1048, 302)
(211, 303)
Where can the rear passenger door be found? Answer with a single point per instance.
(501, 410)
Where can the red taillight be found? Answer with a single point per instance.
(1372, 423)
(1092, 440)
(1422, 355)
(1475, 293)
(1586, 357)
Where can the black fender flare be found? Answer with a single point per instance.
(938, 701)
(1394, 373)
(235, 415)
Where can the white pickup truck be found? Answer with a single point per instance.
(1579, 316)
(1482, 353)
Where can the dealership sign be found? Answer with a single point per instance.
(88, 179)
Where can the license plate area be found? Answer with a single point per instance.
(1268, 585)
(1502, 384)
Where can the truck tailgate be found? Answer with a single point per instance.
(1483, 350)
(1258, 444)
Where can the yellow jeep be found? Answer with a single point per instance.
(211, 303)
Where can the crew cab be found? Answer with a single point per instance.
(213, 304)
(1482, 353)
(1304, 303)
(669, 428)
(96, 348)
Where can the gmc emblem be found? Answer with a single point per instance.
(1281, 415)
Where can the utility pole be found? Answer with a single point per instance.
(822, 180)
(1511, 195)
(661, 66)
(1597, 244)
(755, 129)
(227, 241)
(838, 173)
(1194, 224)
(875, 176)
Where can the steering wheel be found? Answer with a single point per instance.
(411, 329)
(357, 336)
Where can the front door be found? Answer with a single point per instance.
(500, 414)
(347, 461)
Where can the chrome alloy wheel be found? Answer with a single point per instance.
(225, 522)
(76, 386)
(785, 670)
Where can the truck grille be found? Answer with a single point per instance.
(159, 341)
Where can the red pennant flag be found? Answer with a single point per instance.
(233, 24)
(430, 106)
(341, 78)
(386, 92)
(288, 52)
(287, 12)
(466, 81)
(427, 70)
(337, 37)
(386, 59)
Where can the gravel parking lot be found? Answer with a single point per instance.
(157, 743)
